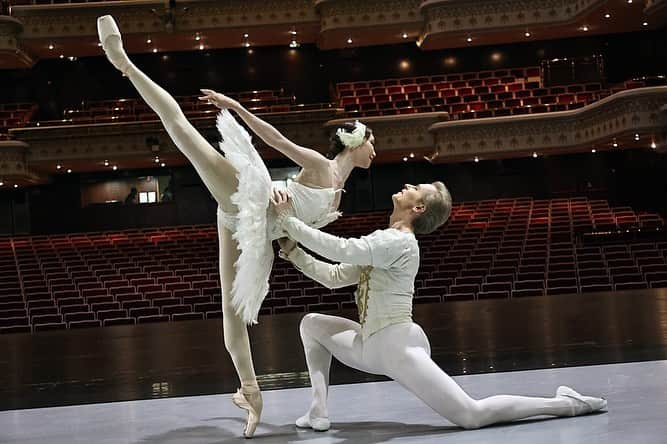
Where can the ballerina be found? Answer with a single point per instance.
(241, 186)
(386, 341)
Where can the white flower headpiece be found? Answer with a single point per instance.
(355, 138)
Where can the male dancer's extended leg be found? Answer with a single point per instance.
(404, 352)
(216, 172)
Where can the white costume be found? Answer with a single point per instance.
(386, 341)
(254, 226)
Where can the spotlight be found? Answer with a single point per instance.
(201, 46)
(62, 56)
(106, 163)
(51, 46)
(247, 44)
(349, 40)
(157, 160)
(16, 185)
(1, 183)
(535, 155)
(163, 164)
(405, 159)
(154, 50)
(245, 36)
(197, 37)
(115, 167)
(645, 24)
(405, 35)
(469, 39)
(58, 167)
(593, 150)
(293, 32)
(527, 34)
(615, 144)
(69, 170)
(149, 41)
(584, 28)
(412, 155)
(476, 159)
(636, 136)
(653, 145)
(607, 15)
(294, 44)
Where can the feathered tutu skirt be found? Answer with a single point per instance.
(251, 227)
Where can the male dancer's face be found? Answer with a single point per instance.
(412, 195)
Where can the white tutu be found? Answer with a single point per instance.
(251, 283)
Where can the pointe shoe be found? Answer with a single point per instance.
(583, 404)
(317, 424)
(112, 43)
(252, 403)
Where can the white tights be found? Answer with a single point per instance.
(219, 177)
(402, 352)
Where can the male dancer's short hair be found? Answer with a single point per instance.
(438, 208)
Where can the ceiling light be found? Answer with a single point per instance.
(62, 56)
(106, 163)
(469, 39)
(405, 35)
(293, 32)
(1, 183)
(69, 170)
(476, 159)
(527, 34)
(16, 185)
(198, 37)
(593, 150)
(154, 50)
(250, 51)
(294, 44)
(201, 46)
(535, 155)
(245, 36)
(149, 40)
(58, 167)
(584, 28)
(349, 40)
(629, 1)
(115, 167)
(405, 159)
(412, 155)
(71, 58)
(615, 144)
(157, 160)
(607, 15)
(636, 136)
(645, 24)
(653, 145)
(246, 44)
(163, 164)
(51, 46)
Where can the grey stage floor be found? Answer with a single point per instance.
(368, 413)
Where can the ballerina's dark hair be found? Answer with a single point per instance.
(335, 144)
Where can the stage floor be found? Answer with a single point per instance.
(365, 413)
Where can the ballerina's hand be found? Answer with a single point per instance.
(217, 99)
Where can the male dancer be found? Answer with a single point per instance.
(386, 341)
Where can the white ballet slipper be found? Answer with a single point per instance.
(250, 401)
(317, 424)
(112, 43)
(583, 405)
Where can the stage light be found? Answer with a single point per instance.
(584, 28)
(653, 145)
(58, 167)
(476, 159)
(51, 46)
(607, 15)
(412, 155)
(405, 159)
(349, 40)
(535, 155)
(405, 35)
(154, 50)
(163, 164)
(527, 34)
(69, 170)
(469, 39)
(115, 167)
(149, 41)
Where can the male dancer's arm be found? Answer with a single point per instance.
(355, 251)
(329, 275)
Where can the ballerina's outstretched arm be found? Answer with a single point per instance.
(302, 156)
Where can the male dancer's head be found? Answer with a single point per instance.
(421, 208)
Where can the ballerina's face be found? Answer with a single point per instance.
(365, 153)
